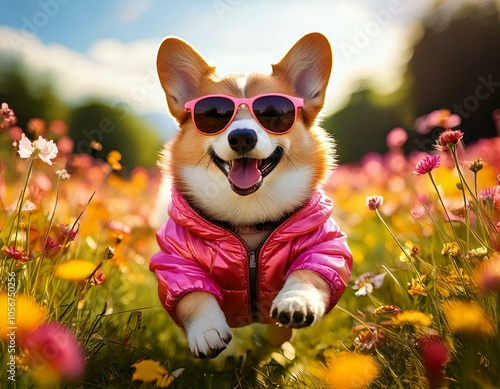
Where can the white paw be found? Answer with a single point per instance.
(207, 332)
(298, 304)
(206, 339)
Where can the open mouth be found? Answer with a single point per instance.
(246, 174)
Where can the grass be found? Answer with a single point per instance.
(75, 253)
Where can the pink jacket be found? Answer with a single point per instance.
(198, 255)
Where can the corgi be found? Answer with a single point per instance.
(250, 237)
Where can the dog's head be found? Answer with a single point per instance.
(249, 149)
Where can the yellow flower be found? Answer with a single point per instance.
(75, 270)
(347, 370)
(19, 312)
(415, 318)
(451, 249)
(417, 287)
(114, 158)
(411, 250)
(467, 317)
(449, 282)
(148, 370)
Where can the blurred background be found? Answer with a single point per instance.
(92, 64)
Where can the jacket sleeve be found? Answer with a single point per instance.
(177, 270)
(326, 252)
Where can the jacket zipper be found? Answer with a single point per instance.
(252, 266)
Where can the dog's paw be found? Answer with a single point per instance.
(205, 324)
(301, 302)
(208, 338)
(297, 308)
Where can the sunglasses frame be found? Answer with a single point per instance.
(248, 101)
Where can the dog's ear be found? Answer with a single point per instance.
(181, 69)
(307, 66)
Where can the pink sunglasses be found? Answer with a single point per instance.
(276, 113)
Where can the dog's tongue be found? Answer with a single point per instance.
(244, 172)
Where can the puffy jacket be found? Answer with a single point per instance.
(198, 255)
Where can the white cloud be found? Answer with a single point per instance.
(123, 74)
(129, 11)
(243, 38)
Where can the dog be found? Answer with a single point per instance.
(249, 236)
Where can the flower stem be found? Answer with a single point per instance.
(444, 208)
(399, 244)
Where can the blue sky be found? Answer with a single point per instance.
(107, 48)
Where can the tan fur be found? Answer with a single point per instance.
(185, 75)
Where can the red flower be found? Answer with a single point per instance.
(18, 254)
(448, 138)
(50, 245)
(69, 233)
(435, 355)
(427, 164)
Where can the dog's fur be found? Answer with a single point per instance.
(305, 165)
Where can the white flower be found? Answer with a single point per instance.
(41, 148)
(366, 282)
(25, 147)
(63, 174)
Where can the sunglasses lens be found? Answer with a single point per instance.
(275, 113)
(212, 114)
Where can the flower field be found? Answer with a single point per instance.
(79, 307)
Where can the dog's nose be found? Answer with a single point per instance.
(242, 140)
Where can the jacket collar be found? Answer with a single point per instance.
(307, 218)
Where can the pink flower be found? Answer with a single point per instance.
(443, 118)
(448, 138)
(7, 117)
(374, 202)
(489, 275)
(55, 353)
(36, 126)
(427, 164)
(396, 137)
(490, 194)
(41, 148)
(58, 127)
